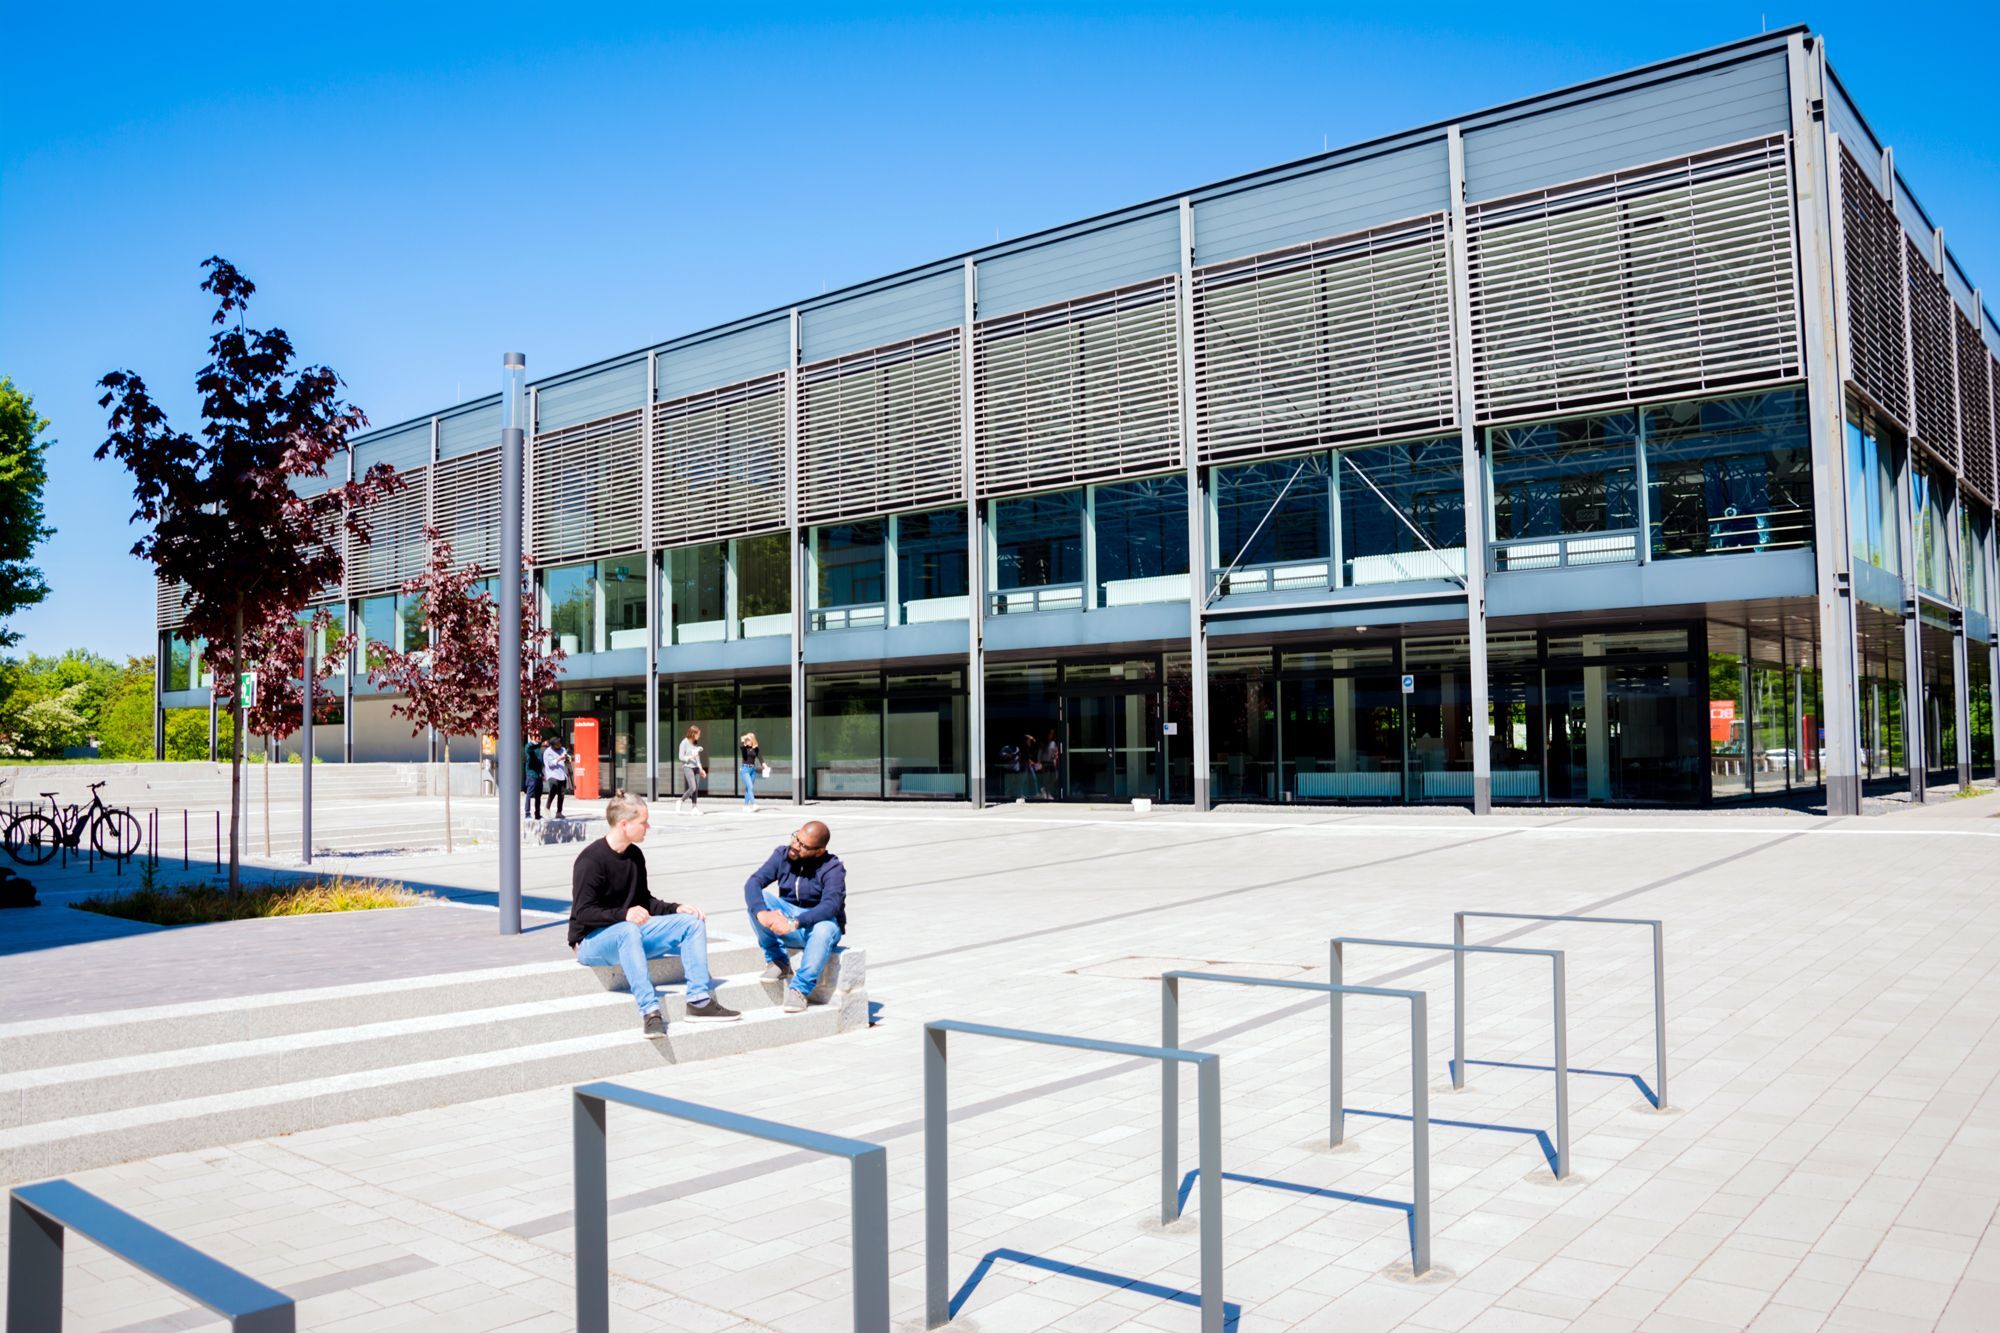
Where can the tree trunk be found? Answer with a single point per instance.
(447, 791)
(237, 721)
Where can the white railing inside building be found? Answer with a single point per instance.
(1566, 552)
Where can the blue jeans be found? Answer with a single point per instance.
(815, 944)
(749, 784)
(627, 946)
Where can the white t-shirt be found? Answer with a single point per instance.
(690, 754)
(555, 764)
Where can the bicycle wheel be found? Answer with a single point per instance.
(115, 834)
(32, 838)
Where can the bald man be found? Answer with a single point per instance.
(798, 900)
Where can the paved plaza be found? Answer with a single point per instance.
(1827, 1157)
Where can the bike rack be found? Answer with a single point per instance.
(1420, 1115)
(937, 1222)
(1555, 957)
(868, 1186)
(1654, 924)
(37, 1216)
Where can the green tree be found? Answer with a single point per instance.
(51, 724)
(24, 474)
(125, 726)
(187, 732)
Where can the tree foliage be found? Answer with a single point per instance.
(275, 650)
(24, 474)
(222, 517)
(50, 704)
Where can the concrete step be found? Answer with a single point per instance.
(92, 1087)
(125, 1033)
(81, 1142)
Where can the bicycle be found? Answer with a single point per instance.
(33, 836)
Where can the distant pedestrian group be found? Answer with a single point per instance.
(545, 774)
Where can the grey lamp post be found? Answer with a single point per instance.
(513, 442)
(306, 752)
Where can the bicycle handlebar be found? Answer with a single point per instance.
(95, 785)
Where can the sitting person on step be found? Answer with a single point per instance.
(798, 900)
(615, 921)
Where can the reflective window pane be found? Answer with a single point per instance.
(1555, 478)
(570, 606)
(848, 564)
(1142, 530)
(624, 584)
(933, 562)
(1729, 475)
(1038, 540)
(763, 585)
(1402, 512)
(697, 592)
(1274, 513)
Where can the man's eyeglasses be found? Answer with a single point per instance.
(799, 844)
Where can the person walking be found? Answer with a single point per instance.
(754, 767)
(555, 772)
(692, 771)
(531, 777)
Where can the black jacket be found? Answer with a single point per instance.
(605, 885)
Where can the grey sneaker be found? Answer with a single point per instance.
(778, 972)
(795, 1000)
(655, 1025)
(710, 1010)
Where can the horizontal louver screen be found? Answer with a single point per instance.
(589, 489)
(879, 431)
(168, 613)
(1672, 278)
(466, 506)
(1345, 339)
(1930, 345)
(394, 551)
(719, 468)
(1975, 408)
(1078, 391)
(1870, 237)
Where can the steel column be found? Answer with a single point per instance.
(975, 561)
(1197, 513)
(509, 748)
(306, 751)
(655, 623)
(591, 1206)
(1472, 463)
(34, 1270)
(798, 554)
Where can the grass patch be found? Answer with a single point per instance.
(1967, 793)
(199, 904)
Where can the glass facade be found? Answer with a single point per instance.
(1560, 478)
(886, 735)
(697, 593)
(1038, 552)
(1929, 495)
(1402, 512)
(1732, 474)
(1074, 730)
(763, 586)
(933, 565)
(1975, 531)
(1141, 535)
(849, 583)
(623, 622)
(1274, 514)
(1872, 507)
(181, 662)
(569, 606)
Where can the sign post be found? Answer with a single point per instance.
(306, 751)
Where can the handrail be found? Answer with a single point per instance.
(868, 1189)
(1658, 928)
(937, 1146)
(1555, 957)
(37, 1216)
(1420, 1114)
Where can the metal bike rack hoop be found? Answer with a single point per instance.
(1654, 924)
(868, 1184)
(1555, 957)
(1420, 1114)
(937, 1218)
(37, 1216)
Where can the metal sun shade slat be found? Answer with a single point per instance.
(719, 467)
(1673, 277)
(878, 431)
(1078, 391)
(1874, 329)
(394, 551)
(1930, 337)
(1340, 340)
(467, 508)
(588, 489)
(1975, 414)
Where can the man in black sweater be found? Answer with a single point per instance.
(615, 921)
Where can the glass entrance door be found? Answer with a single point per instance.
(1113, 751)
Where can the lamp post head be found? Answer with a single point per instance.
(513, 391)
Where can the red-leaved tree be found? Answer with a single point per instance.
(453, 685)
(275, 650)
(223, 519)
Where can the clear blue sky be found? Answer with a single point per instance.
(418, 188)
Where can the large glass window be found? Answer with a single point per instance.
(1733, 474)
(1928, 498)
(570, 606)
(844, 734)
(1402, 512)
(624, 584)
(1242, 725)
(849, 587)
(923, 734)
(183, 663)
(323, 641)
(1975, 529)
(1559, 478)
(764, 587)
(1038, 546)
(933, 561)
(1274, 523)
(1871, 499)
(697, 592)
(1142, 531)
(1729, 761)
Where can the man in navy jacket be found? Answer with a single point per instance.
(798, 900)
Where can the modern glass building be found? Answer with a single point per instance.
(1628, 444)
